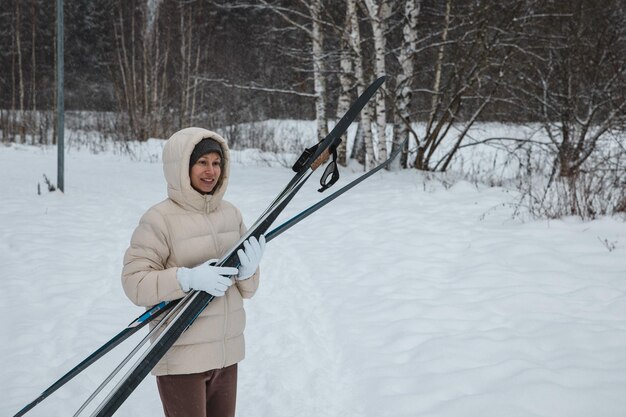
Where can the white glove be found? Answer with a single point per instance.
(214, 280)
(250, 257)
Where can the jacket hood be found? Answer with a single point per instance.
(176, 154)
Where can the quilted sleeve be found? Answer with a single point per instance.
(145, 279)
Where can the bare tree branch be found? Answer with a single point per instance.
(226, 83)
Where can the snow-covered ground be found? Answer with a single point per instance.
(405, 297)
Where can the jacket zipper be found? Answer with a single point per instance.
(225, 295)
(225, 327)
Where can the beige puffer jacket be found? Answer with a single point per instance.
(186, 230)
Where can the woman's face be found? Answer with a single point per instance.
(206, 172)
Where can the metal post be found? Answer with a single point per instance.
(60, 101)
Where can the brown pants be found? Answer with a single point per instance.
(208, 394)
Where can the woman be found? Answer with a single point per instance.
(170, 254)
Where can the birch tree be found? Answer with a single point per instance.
(404, 84)
(346, 81)
(379, 12)
(364, 137)
(319, 68)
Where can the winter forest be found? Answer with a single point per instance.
(143, 69)
(481, 274)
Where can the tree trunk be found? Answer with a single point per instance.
(183, 68)
(378, 11)
(404, 88)
(420, 162)
(9, 131)
(20, 70)
(345, 81)
(33, 56)
(145, 70)
(317, 39)
(194, 88)
(123, 87)
(135, 78)
(365, 124)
